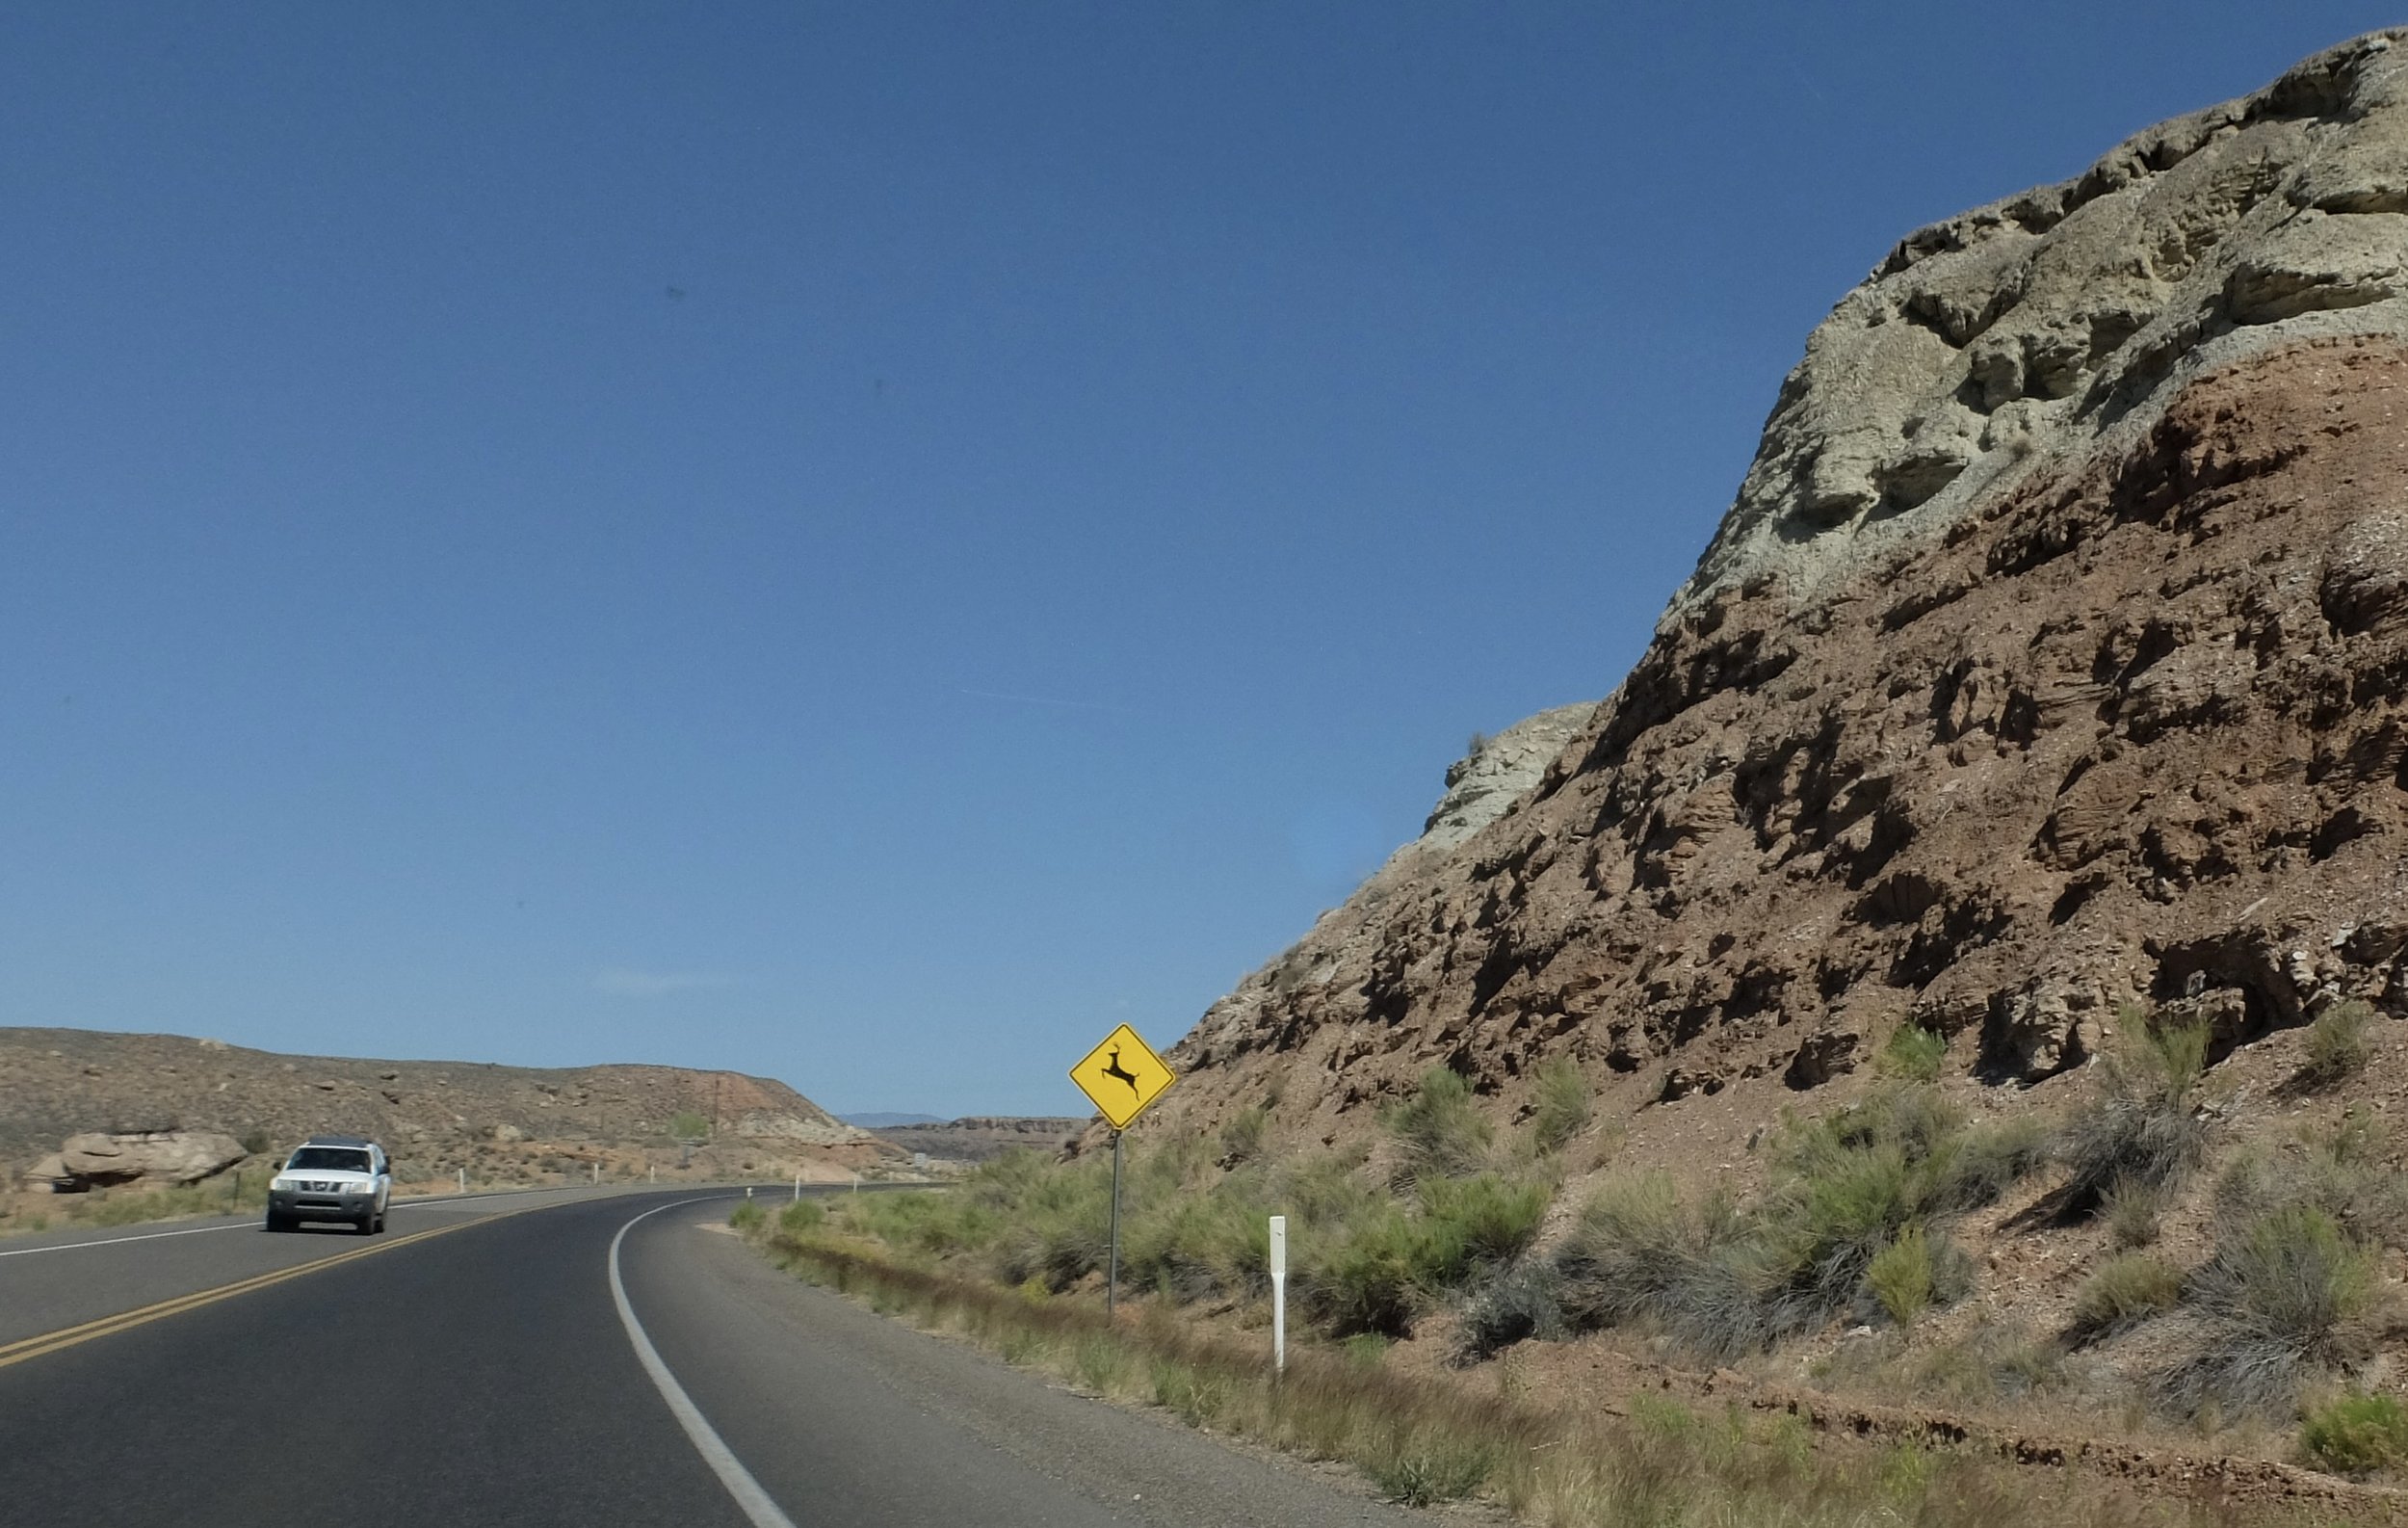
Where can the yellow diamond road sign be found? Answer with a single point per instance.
(1123, 1076)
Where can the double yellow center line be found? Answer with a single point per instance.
(25, 1348)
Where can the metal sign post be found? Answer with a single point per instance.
(1111, 1265)
(1278, 1294)
(1121, 1078)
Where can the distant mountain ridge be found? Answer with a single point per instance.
(429, 1114)
(883, 1119)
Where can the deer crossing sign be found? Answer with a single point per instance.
(1121, 1076)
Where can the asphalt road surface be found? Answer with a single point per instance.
(582, 1361)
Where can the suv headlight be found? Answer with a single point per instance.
(369, 1187)
(283, 1184)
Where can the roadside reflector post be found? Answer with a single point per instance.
(797, 1185)
(597, 1173)
(1278, 1294)
(1111, 1266)
(656, 1172)
(748, 1191)
(463, 1180)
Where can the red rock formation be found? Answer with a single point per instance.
(2113, 706)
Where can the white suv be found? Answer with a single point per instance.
(332, 1177)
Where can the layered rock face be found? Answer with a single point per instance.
(2054, 656)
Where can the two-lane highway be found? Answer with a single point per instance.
(496, 1374)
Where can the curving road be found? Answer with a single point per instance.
(482, 1365)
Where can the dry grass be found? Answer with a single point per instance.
(1661, 1465)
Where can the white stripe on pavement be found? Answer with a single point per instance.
(750, 1496)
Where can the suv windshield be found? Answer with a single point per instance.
(328, 1159)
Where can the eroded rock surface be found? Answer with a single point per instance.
(2054, 656)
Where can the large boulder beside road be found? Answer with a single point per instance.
(151, 1158)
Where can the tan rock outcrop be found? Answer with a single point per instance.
(147, 1158)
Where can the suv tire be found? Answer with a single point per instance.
(278, 1223)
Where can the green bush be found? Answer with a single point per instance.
(2124, 1292)
(1439, 1131)
(1913, 1053)
(801, 1216)
(747, 1216)
(2357, 1435)
(1901, 1277)
(1371, 1280)
(1477, 1222)
(2338, 1044)
(1560, 1106)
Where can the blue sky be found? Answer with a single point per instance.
(869, 543)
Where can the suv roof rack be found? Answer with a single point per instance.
(338, 1141)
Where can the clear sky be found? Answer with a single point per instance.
(867, 543)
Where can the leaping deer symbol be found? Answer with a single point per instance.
(1115, 1069)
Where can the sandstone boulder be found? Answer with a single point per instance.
(148, 1158)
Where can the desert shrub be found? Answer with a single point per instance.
(1913, 1053)
(2355, 1435)
(1561, 1104)
(2338, 1047)
(2124, 1292)
(1514, 1304)
(1370, 1280)
(2280, 1301)
(1439, 1131)
(1993, 1362)
(1866, 1187)
(747, 1216)
(1193, 1245)
(1242, 1138)
(1479, 1222)
(2341, 1169)
(1901, 1277)
(1389, 1260)
(1632, 1242)
(801, 1216)
(2131, 1211)
(2138, 1129)
(1989, 1160)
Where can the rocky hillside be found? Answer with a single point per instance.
(2053, 655)
(432, 1115)
(982, 1138)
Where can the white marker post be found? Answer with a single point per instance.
(1279, 1295)
(797, 1185)
(463, 1180)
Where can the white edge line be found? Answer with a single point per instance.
(120, 1241)
(750, 1496)
(251, 1222)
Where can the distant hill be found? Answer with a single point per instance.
(435, 1116)
(883, 1120)
(981, 1137)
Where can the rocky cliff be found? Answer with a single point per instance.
(2053, 655)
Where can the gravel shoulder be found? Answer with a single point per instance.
(766, 1353)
